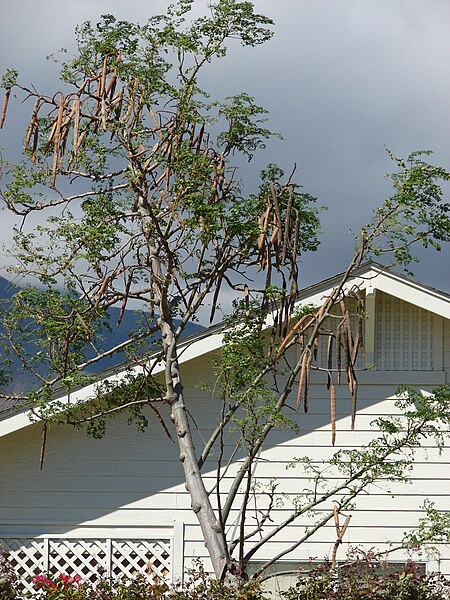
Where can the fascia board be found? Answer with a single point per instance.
(188, 352)
(414, 293)
(391, 283)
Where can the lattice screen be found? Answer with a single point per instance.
(404, 336)
(89, 557)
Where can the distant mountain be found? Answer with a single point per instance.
(24, 381)
(7, 289)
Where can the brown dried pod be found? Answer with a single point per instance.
(302, 380)
(330, 385)
(57, 138)
(5, 106)
(33, 124)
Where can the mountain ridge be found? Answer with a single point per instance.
(23, 381)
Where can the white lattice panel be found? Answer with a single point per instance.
(404, 336)
(28, 557)
(130, 557)
(89, 558)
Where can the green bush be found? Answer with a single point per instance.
(8, 579)
(198, 586)
(363, 577)
(366, 577)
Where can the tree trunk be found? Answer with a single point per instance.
(212, 532)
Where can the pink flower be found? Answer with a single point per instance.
(68, 580)
(41, 582)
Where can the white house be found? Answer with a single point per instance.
(120, 502)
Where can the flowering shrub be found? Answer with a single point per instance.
(67, 587)
(61, 587)
(8, 579)
(365, 576)
(198, 586)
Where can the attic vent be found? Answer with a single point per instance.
(404, 335)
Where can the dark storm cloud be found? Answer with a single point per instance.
(342, 79)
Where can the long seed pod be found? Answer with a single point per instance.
(43, 444)
(35, 144)
(118, 103)
(330, 385)
(5, 106)
(199, 139)
(354, 401)
(302, 380)
(330, 355)
(277, 217)
(140, 107)
(354, 355)
(215, 298)
(247, 303)
(76, 123)
(102, 92)
(103, 77)
(347, 331)
(287, 225)
(57, 138)
(359, 331)
(293, 332)
(98, 95)
(155, 122)
(124, 301)
(316, 347)
(306, 390)
(51, 135)
(82, 136)
(129, 107)
(349, 379)
(295, 248)
(345, 347)
(111, 88)
(65, 128)
(33, 124)
(62, 145)
(281, 314)
(103, 109)
(338, 353)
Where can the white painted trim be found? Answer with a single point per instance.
(386, 281)
(370, 325)
(161, 530)
(14, 423)
(178, 551)
(390, 378)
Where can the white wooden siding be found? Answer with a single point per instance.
(130, 483)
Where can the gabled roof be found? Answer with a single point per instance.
(367, 276)
(373, 275)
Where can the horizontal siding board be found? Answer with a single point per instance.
(129, 482)
(107, 501)
(148, 485)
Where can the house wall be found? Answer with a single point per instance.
(129, 485)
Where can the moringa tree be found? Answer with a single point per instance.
(133, 164)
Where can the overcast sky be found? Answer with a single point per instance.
(342, 79)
